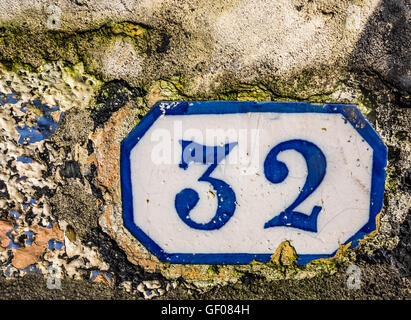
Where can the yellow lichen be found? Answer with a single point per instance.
(284, 255)
(129, 29)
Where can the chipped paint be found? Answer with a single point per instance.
(24, 257)
(33, 106)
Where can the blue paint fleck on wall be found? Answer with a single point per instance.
(45, 125)
(30, 238)
(24, 159)
(53, 244)
(30, 269)
(8, 98)
(32, 201)
(7, 272)
(12, 244)
(14, 214)
(94, 275)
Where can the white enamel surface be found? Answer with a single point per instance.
(344, 193)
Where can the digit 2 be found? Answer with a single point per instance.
(276, 172)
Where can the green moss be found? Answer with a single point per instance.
(35, 48)
(366, 111)
(213, 270)
(245, 92)
(174, 89)
(168, 90)
(130, 29)
(391, 180)
(78, 73)
(226, 95)
(17, 66)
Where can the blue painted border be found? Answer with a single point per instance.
(349, 112)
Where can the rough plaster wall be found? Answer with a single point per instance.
(73, 89)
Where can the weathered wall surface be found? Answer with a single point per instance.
(77, 76)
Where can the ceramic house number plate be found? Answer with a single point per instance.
(222, 182)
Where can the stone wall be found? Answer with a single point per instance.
(77, 76)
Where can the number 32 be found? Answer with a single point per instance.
(275, 171)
